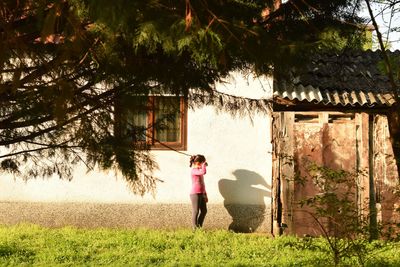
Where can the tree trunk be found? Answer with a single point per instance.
(394, 129)
(393, 116)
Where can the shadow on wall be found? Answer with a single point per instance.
(243, 201)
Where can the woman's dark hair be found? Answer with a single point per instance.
(197, 158)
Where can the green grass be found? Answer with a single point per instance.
(27, 245)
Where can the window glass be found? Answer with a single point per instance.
(138, 123)
(159, 121)
(167, 119)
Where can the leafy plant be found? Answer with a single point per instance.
(334, 209)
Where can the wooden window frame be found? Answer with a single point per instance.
(341, 118)
(151, 131)
(306, 118)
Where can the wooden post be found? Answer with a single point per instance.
(287, 172)
(373, 224)
(283, 173)
(276, 205)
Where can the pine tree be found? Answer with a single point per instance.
(66, 65)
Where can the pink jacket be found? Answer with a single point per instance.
(198, 185)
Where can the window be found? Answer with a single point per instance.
(340, 118)
(306, 118)
(160, 122)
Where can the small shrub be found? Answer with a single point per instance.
(334, 208)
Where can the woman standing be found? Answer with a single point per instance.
(198, 194)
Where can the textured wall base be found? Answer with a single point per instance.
(241, 218)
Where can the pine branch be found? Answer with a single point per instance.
(28, 151)
(55, 127)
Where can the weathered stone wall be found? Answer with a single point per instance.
(356, 142)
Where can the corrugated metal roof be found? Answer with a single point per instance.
(352, 79)
(335, 97)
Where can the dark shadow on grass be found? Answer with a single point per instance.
(23, 255)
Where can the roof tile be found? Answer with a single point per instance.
(353, 78)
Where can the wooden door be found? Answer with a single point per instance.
(326, 139)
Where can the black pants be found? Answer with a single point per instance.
(199, 209)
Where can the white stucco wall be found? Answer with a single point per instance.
(237, 150)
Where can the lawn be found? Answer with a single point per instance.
(38, 246)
